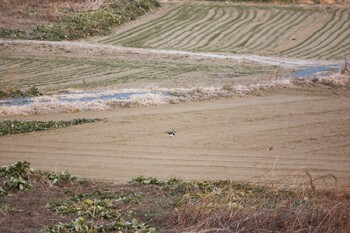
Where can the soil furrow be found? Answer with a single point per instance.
(316, 35)
(185, 31)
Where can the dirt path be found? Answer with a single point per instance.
(275, 137)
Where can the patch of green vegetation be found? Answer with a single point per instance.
(89, 209)
(56, 178)
(6, 208)
(181, 186)
(32, 11)
(97, 212)
(89, 23)
(85, 23)
(17, 93)
(16, 127)
(82, 225)
(12, 33)
(33, 91)
(15, 176)
(20, 175)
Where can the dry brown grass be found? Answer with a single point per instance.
(8, 81)
(194, 206)
(268, 211)
(308, 2)
(330, 79)
(345, 69)
(28, 14)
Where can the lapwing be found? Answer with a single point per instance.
(171, 133)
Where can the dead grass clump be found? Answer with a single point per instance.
(226, 206)
(333, 80)
(328, 79)
(322, 2)
(278, 220)
(8, 81)
(345, 70)
(270, 213)
(26, 14)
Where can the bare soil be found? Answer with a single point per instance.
(28, 213)
(271, 138)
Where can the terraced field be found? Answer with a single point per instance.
(311, 33)
(62, 72)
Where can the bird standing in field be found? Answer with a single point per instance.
(171, 133)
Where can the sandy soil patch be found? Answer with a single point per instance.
(276, 137)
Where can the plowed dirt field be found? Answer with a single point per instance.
(276, 138)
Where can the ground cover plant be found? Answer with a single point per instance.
(151, 205)
(14, 92)
(65, 203)
(16, 126)
(74, 20)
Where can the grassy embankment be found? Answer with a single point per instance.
(74, 22)
(36, 200)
